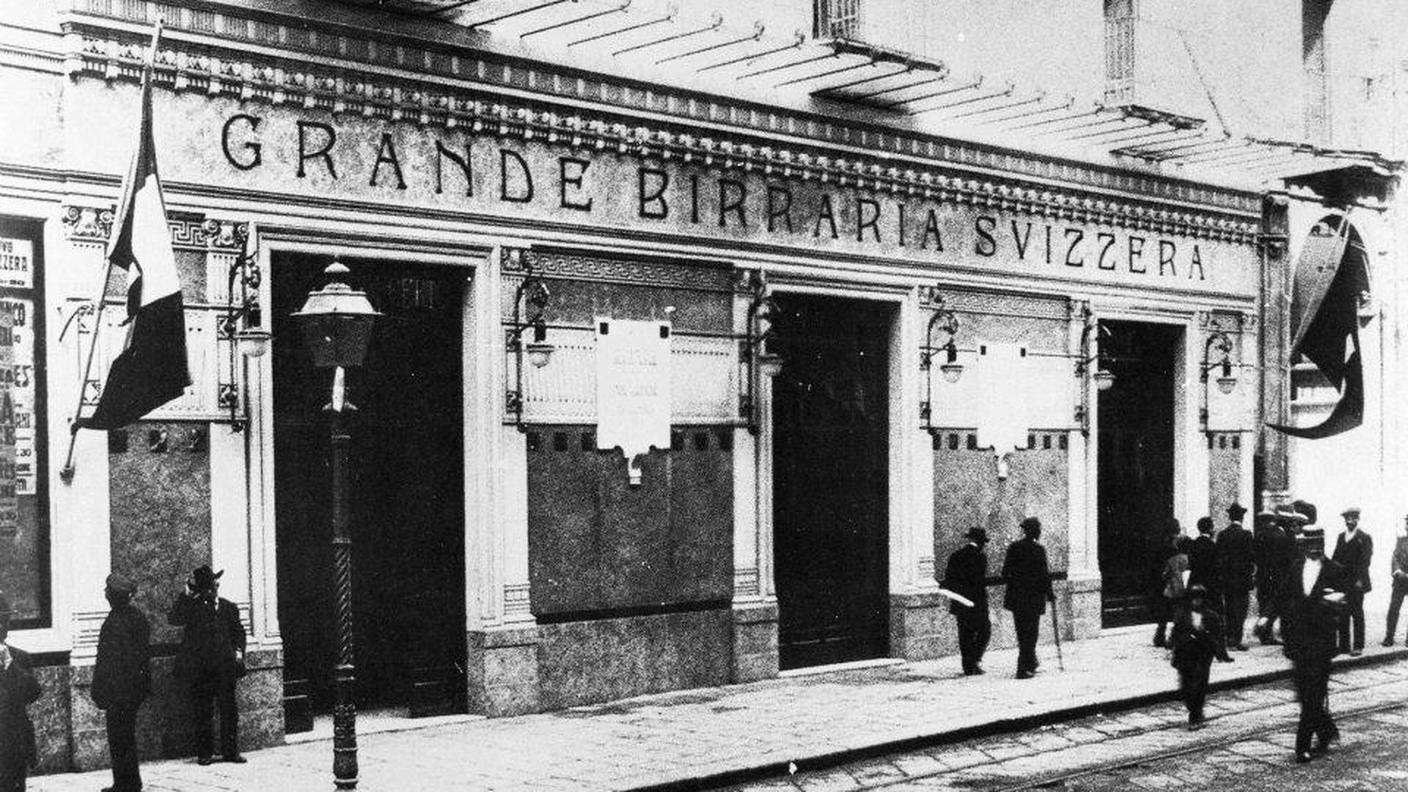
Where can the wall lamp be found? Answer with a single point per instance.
(241, 327)
(1221, 343)
(757, 361)
(1092, 333)
(531, 298)
(944, 321)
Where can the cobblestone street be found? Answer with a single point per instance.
(1246, 746)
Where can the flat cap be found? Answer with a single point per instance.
(1354, 510)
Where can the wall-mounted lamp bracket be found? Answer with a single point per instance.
(241, 328)
(530, 300)
(1091, 333)
(943, 321)
(757, 361)
(1218, 342)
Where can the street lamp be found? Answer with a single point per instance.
(337, 327)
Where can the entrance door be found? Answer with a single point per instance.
(830, 482)
(1135, 488)
(407, 488)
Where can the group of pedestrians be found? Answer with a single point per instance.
(1028, 591)
(1206, 584)
(209, 662)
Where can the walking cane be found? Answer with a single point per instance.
(1056, 633)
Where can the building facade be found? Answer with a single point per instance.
(797, 350)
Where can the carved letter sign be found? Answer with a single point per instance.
(632, 388)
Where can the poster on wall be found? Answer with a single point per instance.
(23, 540)
(9, 482)
(632, 388)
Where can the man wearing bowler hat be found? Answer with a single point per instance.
(122, 680)
(1353, 550)
(1313, 602)
(18, 689)
(210, 661)
(966, 575)
(1236, 570)
(1275, 552)
(1028, 592)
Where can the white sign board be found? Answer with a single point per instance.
(16, 263)
(632, 388)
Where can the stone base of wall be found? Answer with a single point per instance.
(916, 626)
(72, 734)
(755, 653)
(587, 662)
(1085, 607)
(503, 670)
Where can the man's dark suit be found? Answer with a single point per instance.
(1028, 582)
(121, 681)
(206, 661)
(1202, 568)
(1236, 569)
(1354, 555)
(18, 689)
(966, 574)
(1308, 628)
(1275, 552)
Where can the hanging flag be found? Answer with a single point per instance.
(151, 370)
(1329, 278)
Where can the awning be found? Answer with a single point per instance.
(716, 48)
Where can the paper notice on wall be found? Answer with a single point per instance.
(632, 388)
(9, 490)
(1005, 384)
(16, 263)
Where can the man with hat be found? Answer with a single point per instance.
(210, 660)
(1236, 571)
(966, 575)
(1309, 625)
(122, 679)
(1028, 592)
(1353, 549)
(18, 689)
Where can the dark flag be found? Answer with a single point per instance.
(1329, 278)
(151, 370)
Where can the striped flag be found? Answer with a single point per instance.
(151, 370)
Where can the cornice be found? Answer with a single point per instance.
(219, 54)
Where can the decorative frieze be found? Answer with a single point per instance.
(633, 271)
(86, 223)
(903, 166)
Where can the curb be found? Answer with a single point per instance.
(831, 759)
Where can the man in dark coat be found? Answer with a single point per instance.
(1028, 582)
(1202, 563)
(1398, 575)
(1273, 550)
(966, 575)
(122, 680)
(1309, 627)
(1353, 550)
(1236, 570)
(210, 660)
(18, 689)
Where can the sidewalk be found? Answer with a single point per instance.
(728, 734)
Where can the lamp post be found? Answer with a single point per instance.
(337, 326)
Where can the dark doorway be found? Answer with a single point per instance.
(407, 489)
(1135, 490)
(830, 479)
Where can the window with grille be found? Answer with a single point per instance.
(838, 19)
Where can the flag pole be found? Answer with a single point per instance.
(124, 206)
